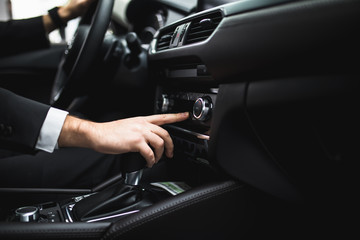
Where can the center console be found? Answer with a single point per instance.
(118, 199)
(126, 195)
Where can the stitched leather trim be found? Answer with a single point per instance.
(52, 230)
(175, 204)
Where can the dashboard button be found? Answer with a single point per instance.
(202, 108)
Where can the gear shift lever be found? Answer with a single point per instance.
(132, 168)
(125, 196)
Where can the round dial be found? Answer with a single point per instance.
(27, 214)
(202, 108)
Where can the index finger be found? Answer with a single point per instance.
(161, 119)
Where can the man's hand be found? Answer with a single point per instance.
(74, 9)
(139, 134)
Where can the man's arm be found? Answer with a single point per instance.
(19, 36)
(139, 134)
(71, 10)
(25, 118)
(21, 120)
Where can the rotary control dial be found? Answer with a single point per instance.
(27, 214)
(202, 108)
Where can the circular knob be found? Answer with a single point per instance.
(202, 108)
(27, 214)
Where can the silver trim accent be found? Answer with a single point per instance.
(112, 216)
(205, 109)
(214, 90)
(27, 214)
(67, 211)
(133, 178)
(79, 198)
(165, 103)
(198, 135)
(69, 208)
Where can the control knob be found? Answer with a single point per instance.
(202, 108)
(27, 214)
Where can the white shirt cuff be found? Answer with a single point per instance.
(50, 130)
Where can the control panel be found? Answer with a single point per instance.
(190, 137)
(49, 212)
(200, 105)
(43, 213)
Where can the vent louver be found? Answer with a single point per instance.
(202, 27)
(195, 30)
(164, 40)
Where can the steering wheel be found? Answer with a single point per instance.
(80, 54)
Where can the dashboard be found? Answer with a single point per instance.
(249, 69)
(272, 88)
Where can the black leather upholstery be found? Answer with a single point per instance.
(214, 211)
(52, 230)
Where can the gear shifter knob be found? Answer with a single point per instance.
(132, 168)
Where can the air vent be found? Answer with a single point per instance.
(202, 27)
(195, 30)
(165, 39)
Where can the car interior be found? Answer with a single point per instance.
(269, 150)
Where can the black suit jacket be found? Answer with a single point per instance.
(20, 121)
(20, 118)
(18, 36)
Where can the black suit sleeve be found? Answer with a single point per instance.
(18, 36)
(20, 121)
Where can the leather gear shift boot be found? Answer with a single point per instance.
(113, 201)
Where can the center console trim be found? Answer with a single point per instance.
(198, 135)
(112, 216)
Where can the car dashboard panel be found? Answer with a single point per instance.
(240, 47)
(268, 150)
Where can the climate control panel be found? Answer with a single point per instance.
(199, 105)
(191, 136)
